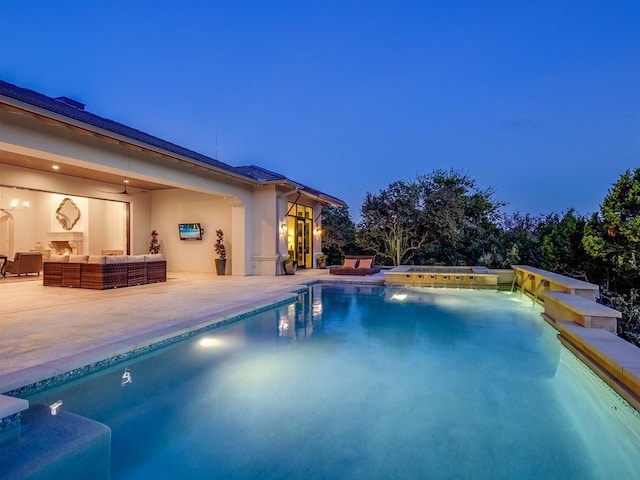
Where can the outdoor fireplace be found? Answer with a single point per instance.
(65, 243)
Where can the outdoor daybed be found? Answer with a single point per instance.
(356, 265)
(104, 271)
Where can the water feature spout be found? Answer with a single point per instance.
(54, 407)
(529, 277)
(541, 283)
(513, 284)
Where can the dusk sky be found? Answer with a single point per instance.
(539, 100)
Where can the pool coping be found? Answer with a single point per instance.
(613, 359)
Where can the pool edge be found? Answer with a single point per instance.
(27, 382)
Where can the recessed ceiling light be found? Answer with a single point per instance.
(55, 167)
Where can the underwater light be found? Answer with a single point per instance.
(399, 296)
(208, 342)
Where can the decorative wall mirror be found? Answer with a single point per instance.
(67, 214)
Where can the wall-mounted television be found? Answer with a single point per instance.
(190, 231)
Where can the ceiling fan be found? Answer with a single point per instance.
(124, 190)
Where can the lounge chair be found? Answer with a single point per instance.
(356, 265)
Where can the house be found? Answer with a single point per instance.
(72, 181)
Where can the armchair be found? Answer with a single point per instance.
(25, 263)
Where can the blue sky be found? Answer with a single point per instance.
(539, 100)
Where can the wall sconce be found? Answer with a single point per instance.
(317, 232)
(283, 228)
(15, 205)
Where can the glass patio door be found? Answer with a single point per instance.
(300, 230)
(303, 243)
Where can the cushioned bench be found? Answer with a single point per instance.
(104, 271)
(356, 265)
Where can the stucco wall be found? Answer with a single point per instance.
(172, 207)
(265, 223)
(109, 219)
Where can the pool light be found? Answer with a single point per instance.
(208, 342)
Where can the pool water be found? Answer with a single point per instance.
(364, 382)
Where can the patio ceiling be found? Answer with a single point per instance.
(33, 163)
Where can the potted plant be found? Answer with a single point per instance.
(154, 245)
(321, 261)
(290, 266)
(221, 251)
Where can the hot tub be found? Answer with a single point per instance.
(441, 276)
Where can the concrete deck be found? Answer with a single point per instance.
(50, 330)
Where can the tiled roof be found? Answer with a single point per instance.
(75, 110)
(61, 108)
(264, 175)
(260, 174)
(319, 194)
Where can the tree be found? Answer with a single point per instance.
(391, 226)
(434, 219)
(561, 244)
(461, 218)
(613, 234)
(339, 234)
(520, 243)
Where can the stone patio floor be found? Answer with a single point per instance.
(50, 330)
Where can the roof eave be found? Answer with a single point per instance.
(62, 119)
(322, 198)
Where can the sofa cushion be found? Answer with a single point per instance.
(136, 258)
(117, 259)
(349, 263)
(100, 259)
(78, 258)
(154, 257)
(59, 258)
(365, 263)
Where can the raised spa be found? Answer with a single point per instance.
(446, 276)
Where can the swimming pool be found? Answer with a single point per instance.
(365, 382)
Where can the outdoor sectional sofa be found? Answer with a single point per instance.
(104, 271)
